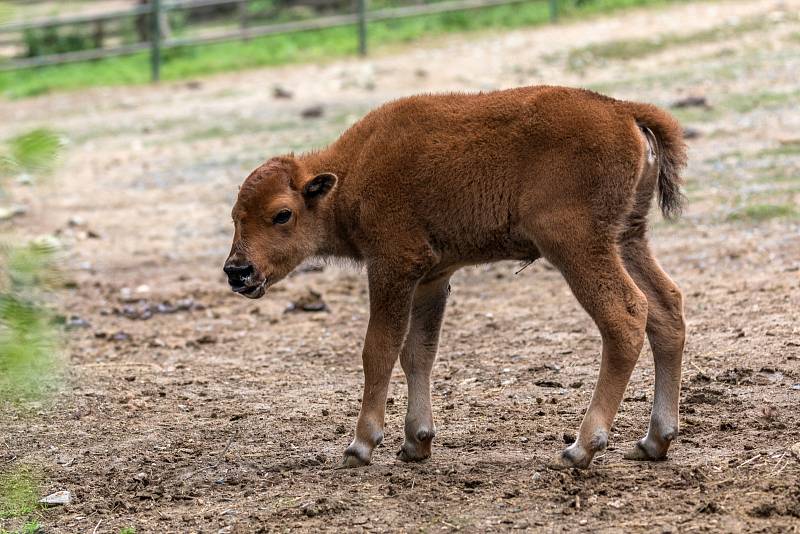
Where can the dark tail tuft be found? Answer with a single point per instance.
(671, 154)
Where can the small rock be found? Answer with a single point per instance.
(769, 413)
(710, 507)
(281, 92)
(58, 498)
(126, 295)
(310, 510)
(691, 133)
(12, 211)
(548, 384)
(121, 336)
(207, 339)
(313, 112)
(76, 221)
(310, 302)
(75, 322)
(691, 102)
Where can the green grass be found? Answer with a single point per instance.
(127, 530)
(624, 49)
(789, 148)
(31, 527)
(744, 103)
(307, 46)
(19, 493)
(763, 212)
(738, 103)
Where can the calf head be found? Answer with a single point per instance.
(279, 220)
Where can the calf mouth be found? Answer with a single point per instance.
(252, 291)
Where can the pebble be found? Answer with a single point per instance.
(58, 498)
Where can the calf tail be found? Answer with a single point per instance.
(671, 153)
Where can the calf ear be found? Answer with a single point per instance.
(319, 186)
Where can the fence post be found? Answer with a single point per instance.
(155, 39)
(241, 11)
(362, 27)
(553, 10)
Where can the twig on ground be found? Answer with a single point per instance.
(756, 457)
(778, 472)
(97, 526)
(699, 369)
(778, 463)
(721, 482)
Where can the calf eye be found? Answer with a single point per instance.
(282, 217)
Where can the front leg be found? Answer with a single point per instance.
(391, 292)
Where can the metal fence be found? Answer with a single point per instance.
(149, 20)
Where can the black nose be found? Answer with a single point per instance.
(237, 272)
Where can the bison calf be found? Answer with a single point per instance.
(425, 185)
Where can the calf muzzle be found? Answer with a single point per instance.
(239, 275)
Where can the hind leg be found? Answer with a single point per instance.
(595, 273)
(666, 331)
(416, 358)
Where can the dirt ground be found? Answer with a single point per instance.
(212, 413)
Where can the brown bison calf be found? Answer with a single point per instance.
(425, 185)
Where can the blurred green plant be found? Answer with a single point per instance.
(28, 340)
(34, 152)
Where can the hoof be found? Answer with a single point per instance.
(579, 457)
(354, 456)
(410, 453)
(425, 435)
(576, 457)
(647, 451)
(419, 449)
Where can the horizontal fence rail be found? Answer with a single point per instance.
(156, 43)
